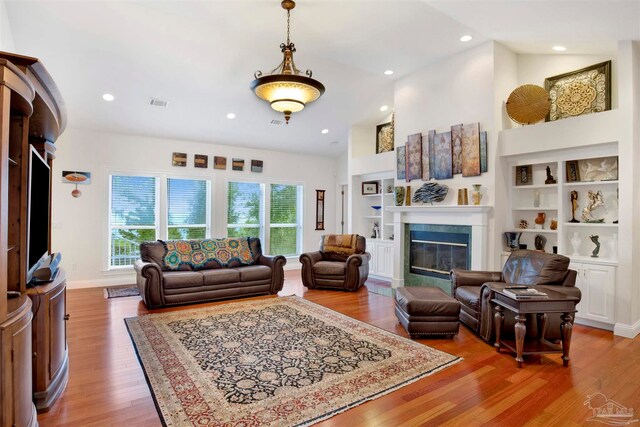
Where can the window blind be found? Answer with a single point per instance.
(243, 203)
(283, 218)
(133, 201)
(186, 202)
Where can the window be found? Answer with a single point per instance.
(133, 217)
(284, 219)
(188, 207)
(245, 216)
(244, 211)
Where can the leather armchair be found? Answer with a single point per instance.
(523, 268)
(330, 270)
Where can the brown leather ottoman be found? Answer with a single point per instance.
(427, 311)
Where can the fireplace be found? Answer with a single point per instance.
(436, 253)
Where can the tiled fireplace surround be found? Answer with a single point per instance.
(454, 219)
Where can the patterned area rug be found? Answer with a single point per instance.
(121, 291)
(271, 362)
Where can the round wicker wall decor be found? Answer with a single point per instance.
(528, 104)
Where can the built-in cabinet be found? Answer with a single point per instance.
(382, 253)
(31, 115)
(533, 195)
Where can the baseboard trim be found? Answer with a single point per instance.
(627, 331)
(101, 283)
(594, 324)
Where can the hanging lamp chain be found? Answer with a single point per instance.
(288, 25)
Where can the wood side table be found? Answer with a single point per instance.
(555, 302)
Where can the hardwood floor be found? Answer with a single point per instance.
(107, 385)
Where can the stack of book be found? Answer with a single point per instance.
(524, 292)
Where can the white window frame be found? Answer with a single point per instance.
(261, 210)
(299, 216)
(207, 226)
(161, 219)
(265, 207)
(110, 225)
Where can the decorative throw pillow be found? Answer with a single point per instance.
(197, 254)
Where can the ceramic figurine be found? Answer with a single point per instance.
(540, 219)
(594, 238)
(376, 231)
(540, 241)
(550, 179)
(524, 224)
(595, 201)
(574, 206)
(554, 224)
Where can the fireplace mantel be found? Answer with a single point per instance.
(475, 216)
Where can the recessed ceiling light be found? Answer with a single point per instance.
(388, 72)
(324, 131)
(559, 48)
(384, 108)
(108, 97)
(466, 38)
(231, 116)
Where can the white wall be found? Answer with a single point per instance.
(79, 228)
(6, 36)
(459, 89)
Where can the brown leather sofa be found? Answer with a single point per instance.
(329, 270)
(524, 268)
(161, 287)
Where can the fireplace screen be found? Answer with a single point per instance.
(435, 254)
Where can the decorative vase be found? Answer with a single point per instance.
(536, 199)
(540, 219)
(476, 194)
(613, 246)
(512, 240)
(399, 195)
(407, 197)
(575, 241)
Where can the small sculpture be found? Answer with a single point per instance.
(376, 230)
(540, 241)
(554, 224)
(550, 179)
(540, 219)
(594, 238)
(512, 240)
(574, 205)
(431, 192)
(595, 201)
(524, 224)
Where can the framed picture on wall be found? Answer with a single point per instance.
(369, 188)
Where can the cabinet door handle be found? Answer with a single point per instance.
(66, 317)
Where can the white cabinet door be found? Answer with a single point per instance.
(597, 284)
(390, 255)
(372, 248)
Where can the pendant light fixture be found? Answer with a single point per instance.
(286, 88)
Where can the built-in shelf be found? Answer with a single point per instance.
(12, 162)
(372, 195)
(541, 208)
(528, 187)
(389, 194)
(441, 208)
(372, 216)
(594, 260)
(388, 225)
(590, 183)
(590, 224)
(534, 230)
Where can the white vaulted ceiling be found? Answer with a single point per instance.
(201, 56)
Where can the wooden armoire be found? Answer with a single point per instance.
(33, 347)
